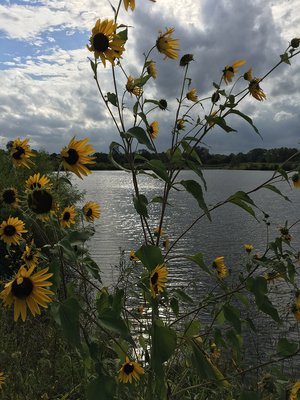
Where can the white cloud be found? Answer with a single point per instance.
(283, 116)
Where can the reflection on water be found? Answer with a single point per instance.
(231, 227)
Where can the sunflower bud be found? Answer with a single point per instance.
(162, 104)
(295, 42)
(215, 97)
(186, 59)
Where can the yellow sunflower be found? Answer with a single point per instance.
(192, 95)
(230, 70)
(256, 91)
(133, 257)
(37, 181)
(11, 230)
(296, 180)
(129, 3)
(293, 395)
(220, 267)
(132, 88)
(20, 153)
(180, 124)
(41, 202)
(10, 197)
(76, 154)
(91, 211)
(67, 217)
(167, 45)
(248, 247)
(30, 255)
(129, 370)
(2, 379)
(104, 42)
(158, 279)
(27, 290)
(153, 130)
(151, 69)
(158, 232)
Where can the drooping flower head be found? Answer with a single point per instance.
(37, 181)
(9, 197)
(230, 70)
(192, 95)
(11, 230)
(20, 153)
(296, 180)
(153, 130)
(76, 155)
(41, 203)
(248, 247)
(167, 45)
(151, 69)
(163, 104)
(129, 370)
(158, 279)
(132, 88)
(293, 395)
(186, 59)
(104, 42)
(129, 3)
(256, 91)
(91, 211)
(68, 216)
(27, 290)
(30, 256)
(220, 267)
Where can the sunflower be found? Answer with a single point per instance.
(133, 257)
(210, 119)
(192, 95)
(130, 3)
(41, 202)
(248, 247)
(272, 276)
(129, 370)
(158, 279)
(91, 211)
(27, 290)
(11, 230)
(132, 88)
(296, 180)
(20, 153)
(180, 124)
(151, 69)
(30, 255)
(162, 104)
(153, 130)
(256, 91)
(2, 379)
(186, 59)
(68, 217)
(158, 232)
(293, 395)
(105, 43)
(248, 75)
(10, 197)
(167, 45)
(37, 181)
(76, 154)
(230, 70)
(220, 267)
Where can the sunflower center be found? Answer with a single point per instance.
(100, 42)
(230, 69)
(17, 155)
(9, 196)
(72, 158)
(128, 368)
(29, 257)
(89, 212)
(66, 216)
(23, 289)
(35, 185)
(9, 230)
(154, 278)
(40, 201)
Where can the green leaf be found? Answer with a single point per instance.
(114, 323)
(197, 169)
(222, 123)
(195, 189)
(93, 268)
(235, 340)
(140, 205)
(164, 343)
(123, 34)
(112, 98)
(150, 256)
(141, 81)
(190, 151)
(249, 395)
(275, 190)
(101, 388)
(242, 200)
(181, 295)
(174, 306)
(232, 315)
(285, 58)
(76, 237)
(198, 259)
(192, 328)
(246, 118)
(68, 317)
(94, 66)
(159, 168)
(141, 136)
(216, 85)
(115, 145)
(286, 348)
(258, 286)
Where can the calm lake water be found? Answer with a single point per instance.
(231, 227)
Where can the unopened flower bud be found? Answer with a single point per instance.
(186, 59)
(295, 42)
(215, 97)
(162, 104)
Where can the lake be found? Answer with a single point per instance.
(231, 227)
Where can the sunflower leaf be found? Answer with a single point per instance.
(159, 168)
(101, 388)
(141, 81)
(114, 323)
(140, 205)
(246, 118)
(198, 259)
(68, 317)
(195, 189)
(286, 348)
(113, 147)
(164, 343)
(141, 136)
(276, 190)
(123, 34)
(150, 256)
(222, 123)
(112, 98)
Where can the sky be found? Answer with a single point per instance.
(48, 93)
